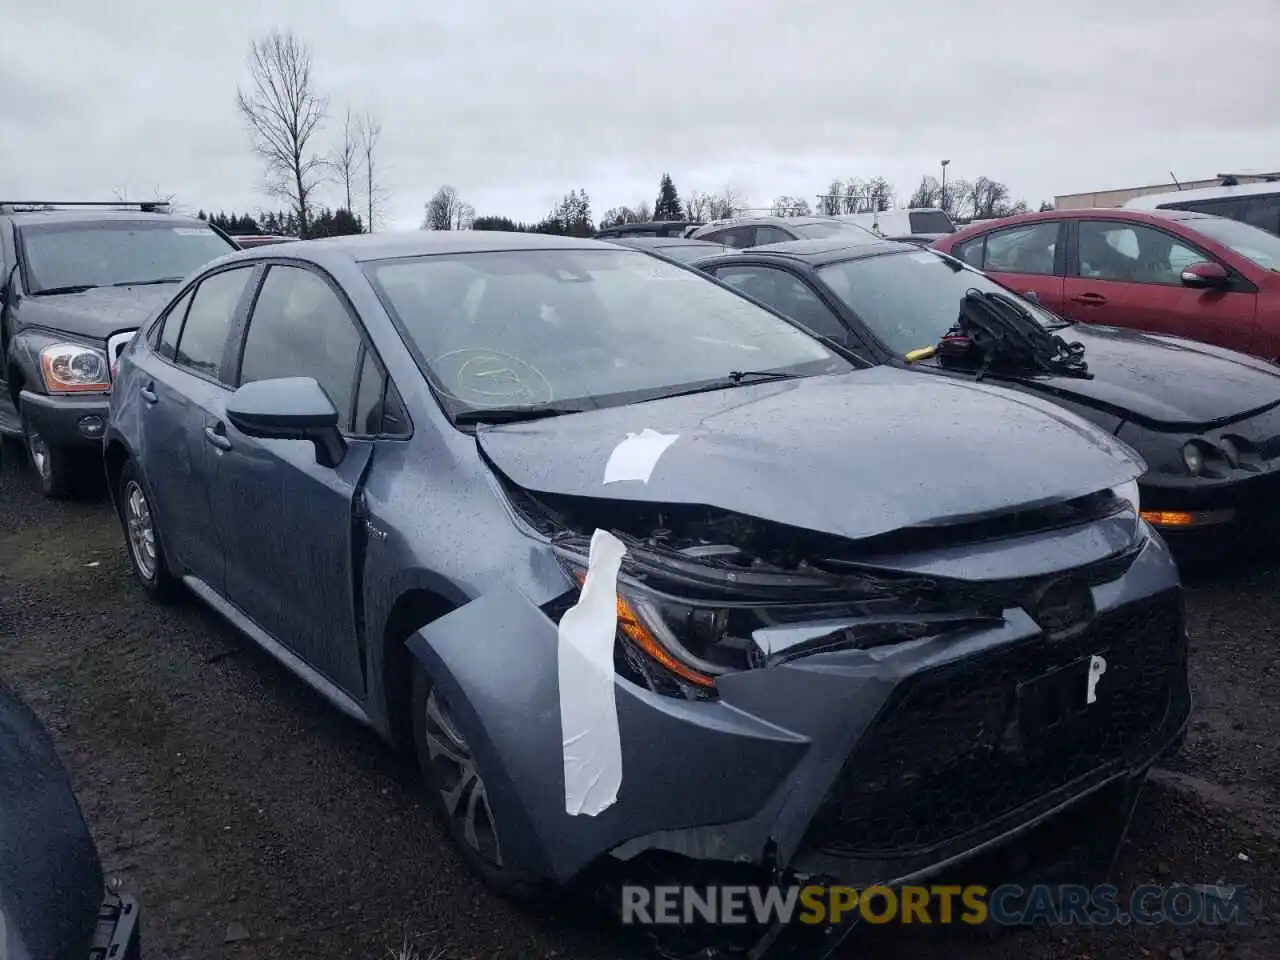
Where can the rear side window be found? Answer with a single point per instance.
(771, 235)
(301, 328)
(931, 221)
(209, 318)
(1030, 249)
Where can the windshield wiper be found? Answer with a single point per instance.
(762, 376)
(146, 283)
(72, 288)
(513, 414)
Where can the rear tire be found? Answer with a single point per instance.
(142, 538)
(456, 788)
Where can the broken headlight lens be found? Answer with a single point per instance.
(680, 647)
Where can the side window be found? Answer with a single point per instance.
(369, 393)
(1029, 249)
(736, 237)
(1132, 253)
(1263, 211)
(771, 235)
(171, 326)
(301, 328)
(970, 251)
(209, 319)
(787, 294)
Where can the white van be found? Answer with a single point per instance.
(919, 223)
(1254, 203)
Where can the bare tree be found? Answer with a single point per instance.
(448, 211)
(696, 205)
(785, 206)
(284, 112)
(726, 204)
(928, 194)
(346, 160)
(169, 200)
(370, 133)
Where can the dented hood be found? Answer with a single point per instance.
(854, 455)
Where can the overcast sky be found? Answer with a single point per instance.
(515, 102)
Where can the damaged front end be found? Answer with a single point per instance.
(809, 708)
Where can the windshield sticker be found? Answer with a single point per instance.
(589, 734)
(192, 231)
(635, 457)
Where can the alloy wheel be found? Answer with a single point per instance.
(140, 529)
(462, 789)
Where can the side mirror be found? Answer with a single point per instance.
(1032, 296)
(289, 408)
(1205, 275)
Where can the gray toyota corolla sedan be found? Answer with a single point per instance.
(642, 571)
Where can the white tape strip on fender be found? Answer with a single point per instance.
(635, 457)
(588, 711)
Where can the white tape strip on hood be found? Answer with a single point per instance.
(635, 457)
(588, 711)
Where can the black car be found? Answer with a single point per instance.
(53, 902)
(649, 228)
(675, 248)
(74, 286)
(1205, 419)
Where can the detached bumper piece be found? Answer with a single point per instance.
(119, 934)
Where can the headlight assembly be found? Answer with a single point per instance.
(74, 368)
(1193, 458)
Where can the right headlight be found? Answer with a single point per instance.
(74, 368)
(1193, 458)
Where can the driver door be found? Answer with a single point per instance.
(287, 520)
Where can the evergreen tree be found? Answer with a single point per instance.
(668, 205)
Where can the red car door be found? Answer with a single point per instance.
(1027, 258)
(1128, 274)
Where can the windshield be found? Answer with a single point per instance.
(580, 328)
(115, 253)
(1250, 242)
(909, 300)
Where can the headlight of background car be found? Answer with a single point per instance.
(73, 368)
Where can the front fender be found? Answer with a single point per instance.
(496, 661)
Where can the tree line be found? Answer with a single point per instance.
(979, 199)
(324, 222)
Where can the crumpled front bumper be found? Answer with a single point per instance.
(860, 766)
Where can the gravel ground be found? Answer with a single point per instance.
(253, 821)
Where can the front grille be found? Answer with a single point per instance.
(960, 746)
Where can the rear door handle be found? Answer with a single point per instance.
(149, 393)
(1090, 299)
(217, 436)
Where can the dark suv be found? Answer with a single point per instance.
(76, 280)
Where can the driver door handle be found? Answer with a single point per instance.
(217, 436)
(149, 393)
(1090, 299)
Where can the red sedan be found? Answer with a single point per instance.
(1171, 271)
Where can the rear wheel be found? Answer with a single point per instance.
(142, 538)
(456, 784)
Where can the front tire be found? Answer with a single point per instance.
(457, 790)
(142, 538)
(54, 466)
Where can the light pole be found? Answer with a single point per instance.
(944, 184)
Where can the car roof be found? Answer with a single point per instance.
(366, 247)
(1152, 200)
(827, 250)
(1090, 213)
(26, 217)
(647, 240)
